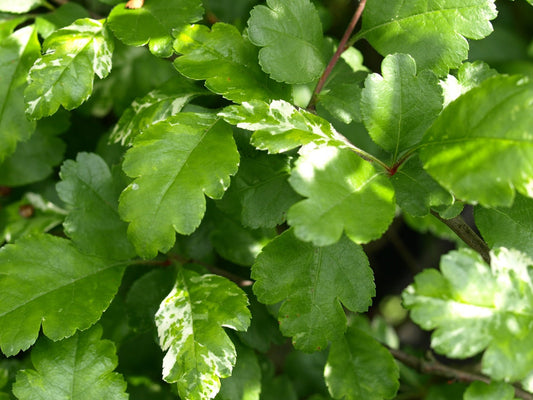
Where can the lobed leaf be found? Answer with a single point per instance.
(399, 107)
(189, 324)
(312, 282)
(18, 52)
(64, 74)
(290, 36)
(481, 146)
(93, 222)
(227, 61)
(59, 288)
(359, 367)
(433, 32)
(153, 23)
(78, 368)
(473, 307)
(175, 163)
(344, 193)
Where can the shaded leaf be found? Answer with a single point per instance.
(41, 293)
(344, 194)
(175, 162)
(433, 33)
(312, 282)
(245, 380)
(91, 193)
(72, 56)
(493, 391)
(78, 368)
(63, 16)
(359, 367)
(189, 323)
(18, 52)
(481, 146)
(290, 34)
(227, 61)
(153, 23)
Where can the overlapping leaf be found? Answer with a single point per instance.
(156, 106)
(481, 146)
(245, 380)
(91, 193)
(279, 126)
(290, 34)
(64, 74)
(344, 193)
(63, 16)
(153, 23)
(312, 282)
(59, 288)
(189, 323)
(359, 367)
(474, 307)
(434, 33)
(175, 162)
(227, 61)
(18, 52)
(78, 368)
(401, 105)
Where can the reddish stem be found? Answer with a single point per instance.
(340, 49)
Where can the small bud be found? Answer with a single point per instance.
(26, 211)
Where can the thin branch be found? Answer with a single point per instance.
(436, 368)
(340, 49)
(466, 234)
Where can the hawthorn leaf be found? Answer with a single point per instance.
(18, 52)
(8, 23)
(399, 107)
(344, 193)
(514, 225)
(494, 391)
(291, 40)
(245, 380)
(64, 74)
(481, 146)
(434, 33)
(93, 222)
(314, 284)
(416, 191)
(227, 61)
(63, 16)
(190, 325)
(153, 23)
(77, 368)
(359, 367)
(59, 288)
(175, 163)
(280, 126)
(156, 106)
(20, 6)
(473, 307)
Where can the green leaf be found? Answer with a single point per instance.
(156, 106)
(290, 34)
(313, 282)
(189, 323)
(227, 61)
(78, 368)
(41, 293)
(20, 6)
(493, 391)
(416, 191)
(508, 227)
(72, 56)
(433, 33)
(344, 193)
(8, 23)
(245, 380)
(175, 162)
(63, 16)
(359, 367)
(481, 146)
(153, 23)
(473, 307)
(401, 105)
(279, 126)
(18, 52)
(91, 193)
